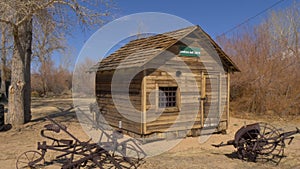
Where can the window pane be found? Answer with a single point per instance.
(167, 96)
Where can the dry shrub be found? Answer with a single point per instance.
(84, 78)
(55, 82)
(268, 56)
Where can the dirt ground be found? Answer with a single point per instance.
(189, 153)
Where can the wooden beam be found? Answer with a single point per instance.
(203, 85)
(144, 103)
(203, 95)
(220, 95)
(156, 96)
(178, 98)
(228, 99)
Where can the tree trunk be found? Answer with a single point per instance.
(3, 63)
(43, 72)
(28, 52)
(19, 101)
(16, 115)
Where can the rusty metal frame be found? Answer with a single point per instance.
(260, 142)
(77, 153)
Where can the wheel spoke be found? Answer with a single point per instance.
(23, 162)
(264, 131)
(27, 156)
(33, 156)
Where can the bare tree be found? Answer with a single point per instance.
(19, 15)
(284, 29)
(268, 56)
(84, 84)
(59, 80)
(3, 61)
(46, 40)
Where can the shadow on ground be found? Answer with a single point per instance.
(5, 127)
(62, 115)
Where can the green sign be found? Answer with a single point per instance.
(189, 51)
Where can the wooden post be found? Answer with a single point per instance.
(228, 99)
(178, 98)
(220, 95)
(203, 95)
(156, 96)
(143, 104)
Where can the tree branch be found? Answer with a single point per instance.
(35, 10)
(6, 22)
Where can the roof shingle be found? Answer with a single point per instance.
(144, 49)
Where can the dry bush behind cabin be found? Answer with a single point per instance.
(52, 81)
(268, 56)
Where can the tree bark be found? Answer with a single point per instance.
(3, 62)
(16, 115)
(28, 52)
(20, 90)
(43, 71)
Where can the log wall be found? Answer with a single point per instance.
(127, 113)
(183, 116)
(169, 69)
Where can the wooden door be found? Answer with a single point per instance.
(211, 100)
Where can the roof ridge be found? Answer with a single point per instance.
(190, 31)
(169, 32)
(145, 41)
(142, 50)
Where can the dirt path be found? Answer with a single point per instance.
(190, 154)
(187, 154)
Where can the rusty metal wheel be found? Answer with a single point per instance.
(269, 148)
(261, 144)
(30, 159)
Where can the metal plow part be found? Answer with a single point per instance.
(260, 142)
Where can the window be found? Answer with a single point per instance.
(167, 97)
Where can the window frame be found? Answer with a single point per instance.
(177, 99)
(167, 97)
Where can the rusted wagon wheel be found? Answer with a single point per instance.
(30, 159)
(260, 144)
(267, 138)
(268, 146)
(244, 149)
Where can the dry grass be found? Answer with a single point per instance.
(189, 153)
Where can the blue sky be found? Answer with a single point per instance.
(214, 16)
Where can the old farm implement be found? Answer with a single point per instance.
(260, 142)
(73, 153)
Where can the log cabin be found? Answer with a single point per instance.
(169, 84)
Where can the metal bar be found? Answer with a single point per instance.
(64, 129)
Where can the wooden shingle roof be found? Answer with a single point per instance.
(144, 49)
